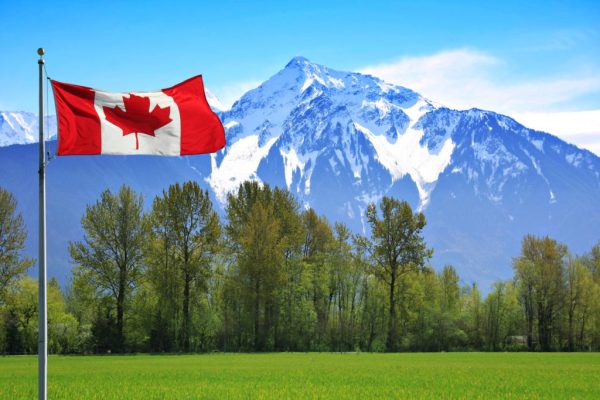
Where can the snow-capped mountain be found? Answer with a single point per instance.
(341, 140)
(354, 124)
(22, 127)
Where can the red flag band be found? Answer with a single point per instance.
(170, 122)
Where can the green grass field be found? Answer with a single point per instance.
(310, 375)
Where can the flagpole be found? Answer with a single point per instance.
(42, 304)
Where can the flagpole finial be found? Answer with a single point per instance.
(40, 51)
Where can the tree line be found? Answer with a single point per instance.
(271, 276)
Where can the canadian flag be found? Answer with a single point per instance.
(170, 122)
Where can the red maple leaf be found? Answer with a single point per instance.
(137, 117)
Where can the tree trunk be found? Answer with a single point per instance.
(391, 337)
(545, 327)
(529, 316)
(290, 319)
(257, 315)
(185, 334)
(571, 333)
(582, 330)
(120, 309)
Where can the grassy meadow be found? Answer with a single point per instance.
(309, 375)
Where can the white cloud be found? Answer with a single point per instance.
(438, 76)
(466, 78)
(581, 128)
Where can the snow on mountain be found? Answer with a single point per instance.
(307, 109)
(22, 127)
(303, 104)
(214, 102)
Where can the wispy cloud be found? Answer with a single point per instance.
(465, 78)
(561, 39)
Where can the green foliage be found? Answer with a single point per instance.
(397, 247)
(262, 235)
(20, 317)
(278, 278)
(110, 256)
(540, 276)
(184, 235)
(63, 328)
(12, 239)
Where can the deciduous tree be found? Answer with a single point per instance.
(110, 255)
(187, 230)
(540, 274)
(12, 239)
(397, 247)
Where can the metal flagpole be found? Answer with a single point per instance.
(42, 304)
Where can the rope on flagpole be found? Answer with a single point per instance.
(49, 154)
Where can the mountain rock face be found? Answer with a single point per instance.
(339, 141)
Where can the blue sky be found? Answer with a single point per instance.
(536, 61)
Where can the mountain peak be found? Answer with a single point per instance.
(298, 61)
(306, 69)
